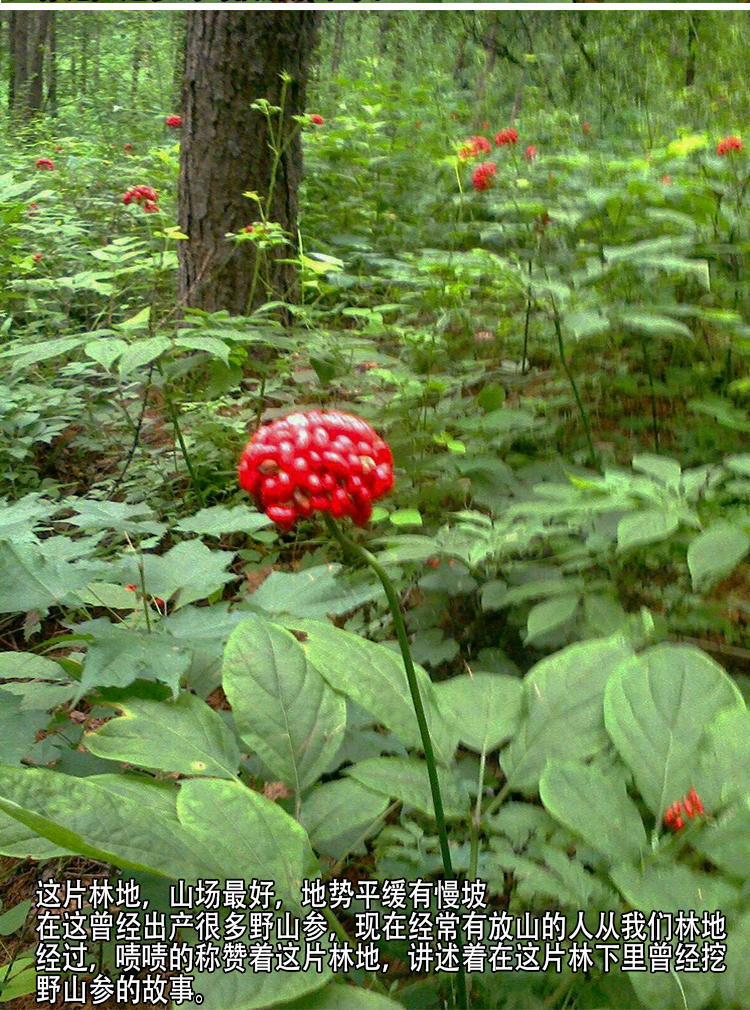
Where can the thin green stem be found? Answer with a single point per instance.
(172, 411)
(573, 385)
(411, 675)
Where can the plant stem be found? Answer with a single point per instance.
(650, 374)
(573, 385)
(172, 410)
(411, 675)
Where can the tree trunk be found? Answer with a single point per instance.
(338, 43)
(39, 25)
(692, 37)
(233, 59)
(52, 64)
(135, 69)
(19, 65)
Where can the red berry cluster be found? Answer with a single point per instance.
(723, 147)
(506, 137)
(321, 461)
(174, 121)
(484, 175)
(128, 147)
(318, 120)
(586, 128)
(530, 152)
(46, 163)
(145, 195)
(691, 805)
(472, 147)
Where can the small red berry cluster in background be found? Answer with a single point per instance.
(316, 119)
(691, 805)
(530, 152)
(321, 461)
(725, 146)
(142, 194)
(174, 121)
(33, 209)
(157, 600)
(45, 163)
(472, 147)
(506, 137)
(128, 147)
(586, 128)
(37, 257)
(484, 176)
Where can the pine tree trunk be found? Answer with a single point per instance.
(233, 59)
(19, 66)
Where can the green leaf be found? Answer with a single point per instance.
(724, 772)
(211, 345)
(492, 397)
(338, 809)
(21, 842)
(406, 779)
(405, 517)
(283, 708)
(549, 615)
(250, 836)
(106, 351)
(28, 581)
(315, 592)
(343, 997)
(17, 979)
(218, 520)
(596, 808)
(183, 736)
(143, 352)
(723, 411)
(28, 664)
(119, 656)
(126, 821)
(672, 887)
(563, 709)
(645, 527)
(18, 728)
(726, 841)
(485, 706)
(654, 326)
(189, 571)
(716, 552)
(14, 918)
(374, 677)
(733, 982)
(663, 469)
(656, 712)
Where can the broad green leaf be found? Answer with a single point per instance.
(187, 572)
(21, 842)
(654, 326)
(563, 709)
(106, 352)
(733, 982)
(26, 355)
(18, 728)
(671, 887)
(485, 706)
(340, 808)
(27, 665)
(17, 979)
(249, 835)
(210, 345)
(716, 552)
(143, 352)
(283, 708)
(645, 527)
(126, 821)
(663, 469)
(110, 595)
(406, 779)
(28, 581)
(549, 615)
(433, 648)
(14, 918)
(374, 677)
(724, 760)
(726, 841)
(405, 517)
(723, 411)
(183, 736)
(218, 520)
(594, 807)
(315, 592)
(119, 656)
(656, 712)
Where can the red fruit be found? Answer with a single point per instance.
(37, 257)
(318, 120)
(316, 462)
(131, 588)
(45, 163)
(506, 137)
(174, 121)
(484, 176)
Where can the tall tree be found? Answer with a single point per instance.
(233, 59)
(18, 46)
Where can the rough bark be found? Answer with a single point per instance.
(338, 43)
(39, 28)
(233, 59)
(19, 51)
(52, 64)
